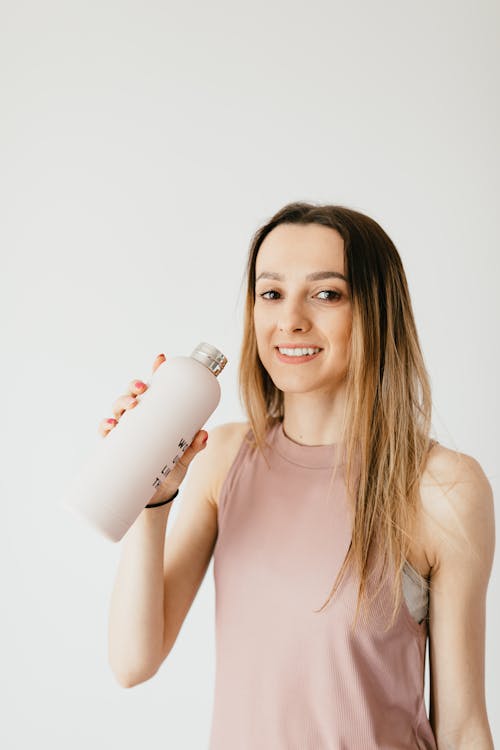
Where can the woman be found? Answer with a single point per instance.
(343, 536)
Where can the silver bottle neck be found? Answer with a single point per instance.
(209, 356)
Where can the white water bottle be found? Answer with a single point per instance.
(129, 464)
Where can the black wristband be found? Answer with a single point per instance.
(164, 502)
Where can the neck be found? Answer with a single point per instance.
(313, 419)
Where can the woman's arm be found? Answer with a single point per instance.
(462, 505)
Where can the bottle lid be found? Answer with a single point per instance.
(210, 356)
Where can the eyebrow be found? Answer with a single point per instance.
(316, 276)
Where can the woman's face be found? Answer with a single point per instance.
(292, 310)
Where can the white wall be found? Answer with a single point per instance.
(141, 145)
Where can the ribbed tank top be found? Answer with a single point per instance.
(288, 678)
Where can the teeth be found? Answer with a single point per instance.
(298, 352)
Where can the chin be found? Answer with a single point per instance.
(295, 381)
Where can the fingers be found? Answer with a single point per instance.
(120, 406)
(106, 425)
(127, 401)
(160, 359)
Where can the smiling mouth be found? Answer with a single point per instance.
(299, 347)
(296, 358)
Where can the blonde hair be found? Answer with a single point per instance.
(387, 418)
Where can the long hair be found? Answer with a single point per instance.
(387, 418)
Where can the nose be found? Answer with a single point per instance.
(291, 318)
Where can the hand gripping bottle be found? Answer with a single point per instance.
(129, 464)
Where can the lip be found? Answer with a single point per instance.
(296, 360)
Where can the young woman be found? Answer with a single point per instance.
(343, 536)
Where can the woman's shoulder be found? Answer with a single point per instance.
(453, 484)
(445, 466)
(229, 434)
(227, 438)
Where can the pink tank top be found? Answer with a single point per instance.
(288, 678)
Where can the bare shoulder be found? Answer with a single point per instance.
(456, 501)
(226, 439)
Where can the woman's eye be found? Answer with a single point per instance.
(331, 291)
(271, 291)
(323, 291)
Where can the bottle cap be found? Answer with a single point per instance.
(210, 356)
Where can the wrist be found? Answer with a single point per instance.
(162, 503)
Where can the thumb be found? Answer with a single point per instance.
(197, 444)
(201, 439)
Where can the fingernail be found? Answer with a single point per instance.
(112, 421)
(205, 439)
(139, 384)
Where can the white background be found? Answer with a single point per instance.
(141, 145)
